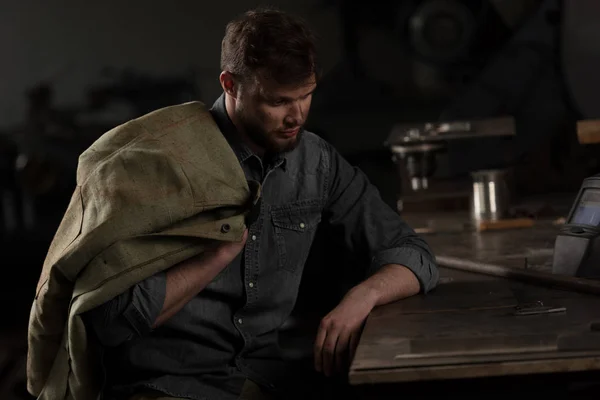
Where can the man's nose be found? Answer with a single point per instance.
(296, 113)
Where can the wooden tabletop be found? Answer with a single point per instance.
(530, 248)
(467, 326)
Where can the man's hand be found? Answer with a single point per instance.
(340, 330)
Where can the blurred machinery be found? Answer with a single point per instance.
(577, 245)
(432, 46)
(416, 148)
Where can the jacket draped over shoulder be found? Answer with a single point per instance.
(150, 193)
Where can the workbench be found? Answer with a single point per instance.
(469, 327)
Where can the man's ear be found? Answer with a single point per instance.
(228, 83)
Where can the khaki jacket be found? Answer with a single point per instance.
(150, 193)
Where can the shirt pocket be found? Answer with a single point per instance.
(295, 225)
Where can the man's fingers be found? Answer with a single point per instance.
(354, 339)
(341, 351)
(319, 342)
(329, 351)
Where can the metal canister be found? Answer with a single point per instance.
(490, 200)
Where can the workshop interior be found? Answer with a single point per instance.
(477, 120)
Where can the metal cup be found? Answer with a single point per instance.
(490, 199)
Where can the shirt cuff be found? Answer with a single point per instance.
(412, 258)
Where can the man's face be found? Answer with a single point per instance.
(272, 115)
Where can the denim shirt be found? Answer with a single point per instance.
(229, 331)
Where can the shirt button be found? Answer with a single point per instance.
(253, 237)
(302, 225)
(240, 321)
(251, 284)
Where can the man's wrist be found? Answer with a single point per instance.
(390, 283)
(368, 292)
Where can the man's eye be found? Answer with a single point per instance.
(278, 102)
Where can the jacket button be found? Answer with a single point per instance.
(225, 228)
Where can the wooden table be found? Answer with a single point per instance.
(530, 248)
(467, 327)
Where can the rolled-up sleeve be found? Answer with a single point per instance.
(131, 314)
(371, 227)
(424, 268)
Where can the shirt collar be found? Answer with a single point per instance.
(241, 150)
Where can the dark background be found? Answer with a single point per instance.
(71, 70)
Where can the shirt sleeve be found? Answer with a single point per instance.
(131, 314)
(371, 226)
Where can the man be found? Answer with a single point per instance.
(208, 327)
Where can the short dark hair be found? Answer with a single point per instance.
(272, 43)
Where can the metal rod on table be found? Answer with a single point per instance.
(536, 277)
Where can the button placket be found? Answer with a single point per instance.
(251, 264)
(251, 253)
(251, 259)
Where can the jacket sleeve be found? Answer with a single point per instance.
(129, 315)
(371, 227)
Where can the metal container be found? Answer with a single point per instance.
(490, 200)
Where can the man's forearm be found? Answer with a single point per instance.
(186, 280)
(392, 282)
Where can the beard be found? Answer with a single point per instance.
(271, 141)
